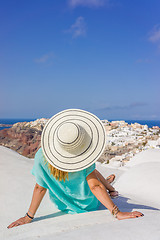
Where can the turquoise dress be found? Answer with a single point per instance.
(71, 196)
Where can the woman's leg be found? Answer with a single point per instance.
(104, 181)
(109, 187)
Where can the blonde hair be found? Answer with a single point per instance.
(58, 174)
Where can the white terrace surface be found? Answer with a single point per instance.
(138, 185)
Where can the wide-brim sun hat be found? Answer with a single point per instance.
(73, 139)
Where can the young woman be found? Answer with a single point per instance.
(72, 141)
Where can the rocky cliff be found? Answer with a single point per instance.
(23, 137)
(123, 140)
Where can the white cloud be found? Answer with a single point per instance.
(124, 107)
(87, 3)
(143, 60)
(78, 28)
(155, 34)
(44, 58)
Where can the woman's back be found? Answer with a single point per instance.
(71, 196)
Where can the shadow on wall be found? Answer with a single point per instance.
(57, 214)
(124, 206)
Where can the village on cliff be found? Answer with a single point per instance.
(123, 140)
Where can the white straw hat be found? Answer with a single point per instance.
(73, 140)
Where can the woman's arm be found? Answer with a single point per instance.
(99, 190)
(37, 197)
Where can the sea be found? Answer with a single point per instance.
(150, 123)
(12, 121)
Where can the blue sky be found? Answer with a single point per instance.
(102, 56)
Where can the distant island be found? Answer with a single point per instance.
(5, 125)
(123, 140)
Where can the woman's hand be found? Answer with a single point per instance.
(37, 197)
(126, 215)
(20, 221)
